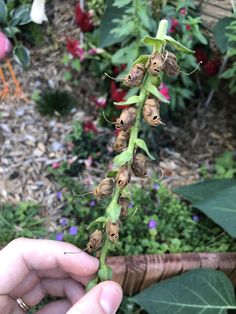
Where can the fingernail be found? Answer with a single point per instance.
(110, 298)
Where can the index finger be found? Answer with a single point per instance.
(22, 255)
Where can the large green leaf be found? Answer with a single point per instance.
(219, 32)
(221, 208)
(177, 45)
(201, 291)
(203, 190)
(107, 39)
(3, 12)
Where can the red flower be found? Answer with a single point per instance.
(183, 11)
(211, 68)
(118, 69)
(201, 55)
(173, 25)
(83, 19)
(73, 47)
(188, 27)
(118, 95)
(164, 90)
(89, 127)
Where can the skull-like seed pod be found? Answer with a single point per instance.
(123, 177)
(139, 165)
(95, 241)
(124, 202)
(171, 67)
(126, 119)
(105, 188)
(113, 230)
(155, 64)
(121, 141)
(135, 76)
(151, 112)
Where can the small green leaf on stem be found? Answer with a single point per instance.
(155, 92)
(142, 59)
(111, 174)
(122, 158)
(99, 220)
(105, 273)
(153, 41)
(140, 143)
(113, 212)
(177, 45)
(130, 101)
(92, 283)
(3, 12)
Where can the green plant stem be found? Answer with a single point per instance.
(161, 33)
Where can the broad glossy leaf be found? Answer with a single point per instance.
(221, 208)
(22, 56)
(3, 12)
(177, 45)
(155, 92)
(122, 158)
(201, 291)
(130, 101)
(140, 143)
(203, 190)
(97, 221)
(141, 59)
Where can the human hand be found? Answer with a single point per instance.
(32, 269)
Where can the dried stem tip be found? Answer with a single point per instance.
(105, 188)
(139, 165)
(95, 241)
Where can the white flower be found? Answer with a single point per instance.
(37, 13)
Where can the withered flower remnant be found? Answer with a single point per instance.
(112, 230)
(135, 76)
(139, 165)
(123, 177)
(105, 188)
(155, 64)
(121, 141)
(124, 202)
(126, 119)
(171, 67)
(95, 241)
(151, 112)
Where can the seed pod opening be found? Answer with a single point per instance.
(151, 112)
(95, 241)
(113, 230)
(105, 188)
(139, 165)
(126, 119)
(171, 67)
(121, 141)
(155, 64)
(124, 202)
(135, 76)
(123, 177)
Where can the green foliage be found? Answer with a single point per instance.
(230, 74)
(198, 291)
(216, 199)
(52, 102)
(21, 220)
(225, 166)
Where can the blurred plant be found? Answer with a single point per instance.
(21, 220)
(55, 102)
(225, 166)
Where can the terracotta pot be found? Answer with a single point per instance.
(135, 273)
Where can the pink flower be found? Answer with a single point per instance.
(100, 101)
(164, 90)
(183, 11)
(173, 25)
(56, 165)
(74, 48)
(188, 27)
(89, 127)
(88, 162)
(5, 45)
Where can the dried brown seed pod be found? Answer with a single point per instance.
(124, 202)
(135, 76)
(105, 188)
(151, 112)
(123, 177)
(121, 141)
(113, 230)
(139, 165)
(155, 64)
(171, 67)
(95, 241)
(126, 119)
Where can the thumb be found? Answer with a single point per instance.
(105, 298)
